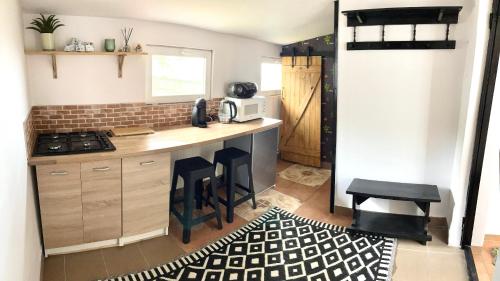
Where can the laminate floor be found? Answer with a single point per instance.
(436, 261)
(483, 258)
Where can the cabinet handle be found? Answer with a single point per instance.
(58, 173)
(147, 163)
(102, 169)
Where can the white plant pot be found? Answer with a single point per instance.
(48, 43)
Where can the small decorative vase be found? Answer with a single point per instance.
(109, 45)
(48, 43)
(126, 48)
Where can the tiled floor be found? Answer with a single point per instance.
(483, 258)
(436, 261)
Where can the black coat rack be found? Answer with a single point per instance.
(403, 16)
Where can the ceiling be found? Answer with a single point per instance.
(275, 21)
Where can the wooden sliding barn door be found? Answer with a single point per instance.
(300, 140)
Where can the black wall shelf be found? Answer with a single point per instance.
(398, 16)
(403, 16)
(401, 45)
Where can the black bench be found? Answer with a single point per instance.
(393, 225)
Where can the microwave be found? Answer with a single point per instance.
(249, 109)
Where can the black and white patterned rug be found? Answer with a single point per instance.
(282, 246)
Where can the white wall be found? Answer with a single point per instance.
(474, 29)
(93, 80)
(20, 247)
(398, 110)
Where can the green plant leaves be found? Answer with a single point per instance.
(44, 24)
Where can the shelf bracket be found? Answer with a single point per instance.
(54, 66)
(121, 59)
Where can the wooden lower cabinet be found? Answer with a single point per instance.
(60, 195)
(145, 193)
(102, 200)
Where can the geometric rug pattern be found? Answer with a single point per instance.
(282, 246)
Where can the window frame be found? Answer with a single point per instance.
(178, 51)
(270, 60)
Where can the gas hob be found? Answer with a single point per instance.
(72, 143)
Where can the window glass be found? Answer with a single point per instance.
(270, 74)
(178, 74)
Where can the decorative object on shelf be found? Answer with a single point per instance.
(138, 48)
(494, 253)
(403, 16)
(109, 45)
(46, 27)
(89, 47)
(127, 33)
(76, 45)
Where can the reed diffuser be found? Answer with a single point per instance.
(127, 33)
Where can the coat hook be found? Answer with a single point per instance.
(358, 17)
(440, 16)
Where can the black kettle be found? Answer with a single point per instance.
(199, 116)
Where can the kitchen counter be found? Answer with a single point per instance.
(165, 141)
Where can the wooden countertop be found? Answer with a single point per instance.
(165, 141)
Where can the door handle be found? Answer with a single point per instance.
(102, 169)
(147, 163)
(58, 173)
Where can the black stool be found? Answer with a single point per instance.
(232, 158)
(193, 171)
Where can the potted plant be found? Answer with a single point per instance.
(46, 26)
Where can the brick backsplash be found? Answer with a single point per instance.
(76, 118)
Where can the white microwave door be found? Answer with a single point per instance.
(251, 109)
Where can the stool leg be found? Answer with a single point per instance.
(213, 188)
(188, 210)
(250, 186)
(230, 188)
(173, 189)
(198, 193)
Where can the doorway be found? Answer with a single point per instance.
(481, 136)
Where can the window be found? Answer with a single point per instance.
(178, 74)
(270, 75)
